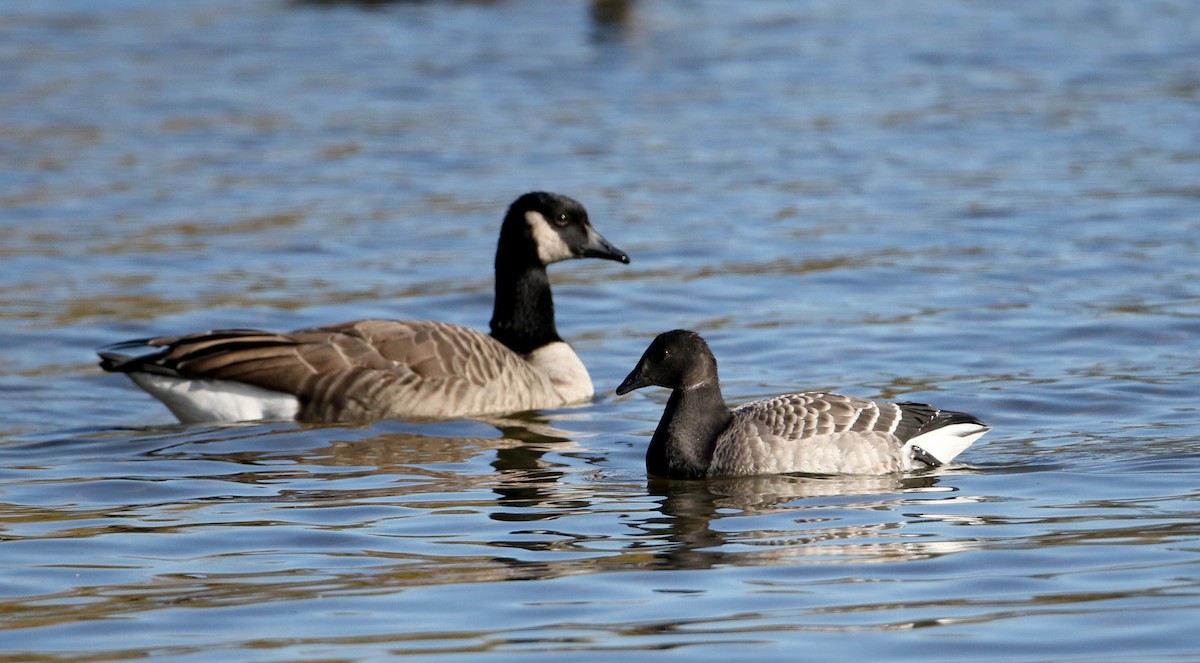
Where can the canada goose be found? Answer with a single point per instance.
(811, 432)
(371, 369)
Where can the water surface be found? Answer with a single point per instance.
(993, 208)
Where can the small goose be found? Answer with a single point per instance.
(809, 432)
(372, 369)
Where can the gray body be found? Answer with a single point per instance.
(809, 432)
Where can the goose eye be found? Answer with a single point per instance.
(562, 220)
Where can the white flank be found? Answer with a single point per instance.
(217, 401)
(550, 245)
(944, 444)
(565, 370)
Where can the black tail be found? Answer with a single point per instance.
(918, 418)
(128, 356)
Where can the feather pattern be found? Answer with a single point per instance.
(369, 369)
(810, 432)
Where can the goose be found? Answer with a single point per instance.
(808, 432)
(375, 369)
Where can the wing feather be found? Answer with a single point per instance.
(363, 369)
(832, 434)
(812, 432)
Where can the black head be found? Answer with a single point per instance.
(547, 228)
(677, 359)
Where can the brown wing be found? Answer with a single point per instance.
(365, 369)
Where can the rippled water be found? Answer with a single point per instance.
(994, 207)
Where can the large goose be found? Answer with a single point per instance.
(810, 432)
(371, 369)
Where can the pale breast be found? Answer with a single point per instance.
(566, 372)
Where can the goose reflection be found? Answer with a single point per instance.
(522, 478)
(820, 507)
(482, 497)
(432, 457)
(401, 446)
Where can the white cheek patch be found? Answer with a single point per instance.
(550, 245)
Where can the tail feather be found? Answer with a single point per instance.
(168, 355)
(946, 443)
(135, 355)
(937, 437)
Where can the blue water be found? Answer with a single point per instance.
(994, 207)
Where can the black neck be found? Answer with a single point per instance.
(523, 317)
(683, 443)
